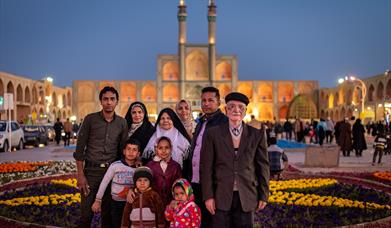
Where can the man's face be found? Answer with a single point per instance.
(109, 101)
(236, 110)
(209, 102)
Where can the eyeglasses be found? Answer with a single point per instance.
(231, 107)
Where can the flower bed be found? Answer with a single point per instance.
(25, 170)
(321, 202)
(300, 202)
(56, 203)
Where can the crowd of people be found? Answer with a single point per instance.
(350, 134)
(179, 172)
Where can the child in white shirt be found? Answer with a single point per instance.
(120, 173)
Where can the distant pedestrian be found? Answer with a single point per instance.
(379, 144)
(345, 137)
(57, 129)
(329, 130)
(359, 143)
(67, 130)
(288, 129)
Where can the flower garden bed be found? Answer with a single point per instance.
(301, 199)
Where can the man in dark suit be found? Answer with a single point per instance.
(234, 168)
(210, 102)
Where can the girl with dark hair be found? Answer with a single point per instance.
(169, 125)
(139, 126)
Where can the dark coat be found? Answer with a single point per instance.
(345, 136)
(219, 167)
(162, 182)
(216, 119)
(359, 142)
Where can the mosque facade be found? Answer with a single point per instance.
(194, 66)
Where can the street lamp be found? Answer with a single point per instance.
(363, 88)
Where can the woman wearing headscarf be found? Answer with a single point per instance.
(183, 109)
(139, 126)
(359, 143)
(168, 124)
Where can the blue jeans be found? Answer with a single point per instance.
(117, 208)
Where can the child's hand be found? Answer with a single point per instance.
(131, 196)
(173, 204)
(96, 206)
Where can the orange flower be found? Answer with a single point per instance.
(383, 175)
(21, 166)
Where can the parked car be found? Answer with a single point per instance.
(17, 135)
(50, 131)
(35, 135)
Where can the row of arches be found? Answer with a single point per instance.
(354, 95)
(33, 96)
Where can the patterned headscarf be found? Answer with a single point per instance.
(186, 186)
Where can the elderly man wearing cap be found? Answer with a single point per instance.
(234, 168)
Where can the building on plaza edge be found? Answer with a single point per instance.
(183, 75)
(35, 101)
(345, 100)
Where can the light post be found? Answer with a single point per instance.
(363, 89)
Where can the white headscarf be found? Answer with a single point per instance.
(180, 145)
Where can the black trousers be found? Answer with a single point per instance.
(233, 218)
(94, 177)
(206, 217)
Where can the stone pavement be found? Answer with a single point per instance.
(296, 159)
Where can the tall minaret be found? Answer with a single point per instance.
(181, 45)
(212, 39)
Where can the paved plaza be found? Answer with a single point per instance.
(296, 159)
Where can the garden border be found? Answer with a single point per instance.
(384, 222)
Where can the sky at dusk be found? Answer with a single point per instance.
(120, 39)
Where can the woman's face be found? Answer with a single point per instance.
(183, 111)
(137, 115)
(165, 121)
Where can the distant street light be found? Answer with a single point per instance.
(363, 88)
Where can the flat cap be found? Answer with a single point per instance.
(235, 96)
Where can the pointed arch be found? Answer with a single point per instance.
(35, 96)
(128, 92)
(336, 99)
(171, 71)
(224, 90)
(69, 98)
(380, 91)
(265, 91)
(27, 96)
(246, 88)
(10, 88)
(197, 66)
(148, 92)
(388, 89)
(19, 93)
(285, 91)
(54, 99)
(1, 88)
(223, 71)
(170, 92)
(371, 91)
(331, 101)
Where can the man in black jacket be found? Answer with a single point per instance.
(210, 102)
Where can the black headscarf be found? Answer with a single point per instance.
(175, 120)
(145, 131)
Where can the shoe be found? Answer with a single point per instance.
(373, 164)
